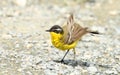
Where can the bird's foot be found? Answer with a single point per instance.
(62, 61)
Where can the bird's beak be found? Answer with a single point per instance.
(47, 30)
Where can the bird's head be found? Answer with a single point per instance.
(56, 29)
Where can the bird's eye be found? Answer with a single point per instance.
(57, 30)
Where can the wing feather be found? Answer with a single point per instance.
(72, 31)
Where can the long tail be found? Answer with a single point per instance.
(94, 32)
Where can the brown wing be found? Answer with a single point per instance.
(72, 31)
(78, 32)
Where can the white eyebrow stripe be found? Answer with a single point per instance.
(58, 29)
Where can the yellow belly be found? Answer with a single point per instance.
(61, 45)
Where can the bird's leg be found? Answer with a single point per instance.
(64, 56)
(74, 53)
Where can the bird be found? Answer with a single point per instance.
(67, 37)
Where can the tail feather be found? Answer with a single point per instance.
(94, 32)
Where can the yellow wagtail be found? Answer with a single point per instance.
(67, 37)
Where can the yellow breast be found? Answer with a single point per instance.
(56, 41)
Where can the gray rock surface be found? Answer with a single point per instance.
(26, 49)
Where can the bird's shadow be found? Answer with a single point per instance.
(73, 63)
